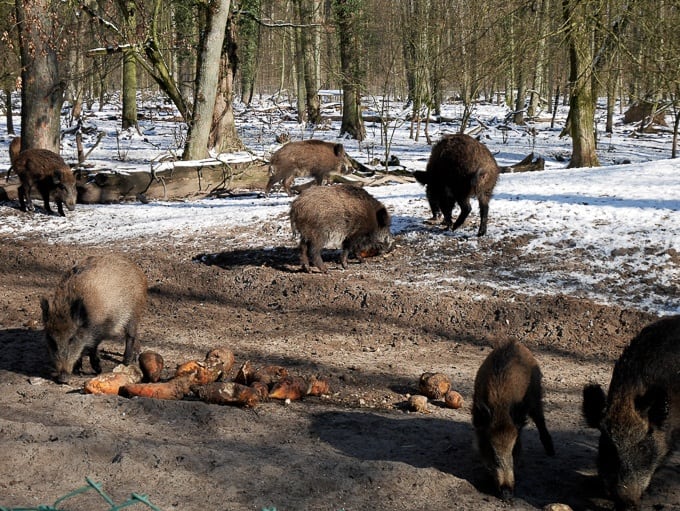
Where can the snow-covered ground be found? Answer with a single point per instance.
(579, 228)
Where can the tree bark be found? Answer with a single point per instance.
(42, 90)
(207, 76)
(581, 119)
(347, 14)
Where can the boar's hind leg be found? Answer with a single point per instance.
(546, 439)
(307, 249)
(483, 214)
(25, 202)
(315, 253)
(465, 209)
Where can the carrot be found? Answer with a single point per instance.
(227, 393)
(291, 387)
(176, 388)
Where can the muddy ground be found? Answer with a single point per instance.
(371, 330)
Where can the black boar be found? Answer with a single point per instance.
(99, 298)
(314, 158)
(50, 175)
(507, 390)
(458, 169)
(339, 216)
(639, 420)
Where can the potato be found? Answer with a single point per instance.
(270, 375)
(318, 386)
(418, 403)
(110, 383)
(453, 399)
(219, 359)
(246, 373)
(434, 385)
(151, 364)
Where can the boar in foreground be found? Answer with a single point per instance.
(459, 168)
(507, 391)
(314, 158)
(48, 173)
(339, 216)
(99, 298)
(14, 150)
(639, 420)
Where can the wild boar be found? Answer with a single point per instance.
(314, 158)
(14, 150)
(507, 390)
(459, 168)
(639, 419)
(339, 216)
(50, 175)
(99, 298)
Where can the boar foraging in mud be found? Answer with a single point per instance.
(639, 420)
(507, 390)
(314, 158)
(339, 215)
(99, 298)
(50, 175)
(459, 168)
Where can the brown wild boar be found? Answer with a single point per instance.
(314, 158)
(459, 168)
(99, 298)
(639, 419)
(14, 150)
(47, 172)
(339, 216)
(507, 390)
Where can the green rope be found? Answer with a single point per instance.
(135, 498)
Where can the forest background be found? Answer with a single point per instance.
(204, 55)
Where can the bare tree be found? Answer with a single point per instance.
(348, 15)
(42, 89)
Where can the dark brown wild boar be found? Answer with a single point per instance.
(639, 420)
(314, 158)
(459, 168)
(99, 298)
(50, 175)
(339, 216)
(507, 391)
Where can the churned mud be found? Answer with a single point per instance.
(371, 330)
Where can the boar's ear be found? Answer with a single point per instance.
(45, 306)
(338, 149)
(383, 217)
(481, 416)
(594, 402)
(79, 312)
(654, 404)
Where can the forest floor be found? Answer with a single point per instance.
(371, 330)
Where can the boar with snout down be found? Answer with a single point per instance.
(639, 419)
(339, 216)
(314, 158)
(99, 298)
(48, 173)
(459, 168)
(507, 391)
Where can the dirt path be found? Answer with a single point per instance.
(372, 330)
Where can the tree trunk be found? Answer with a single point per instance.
(308, 12)
(207, 75)
(129, 92)
(249, 30)
(42, 91)
(8, 110)
(581, 99)
(223, 135)
(348, 13)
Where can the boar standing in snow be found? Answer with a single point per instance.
(339, 216)
(507, 390)
(459, 168)
(48, 173)
(314, 158)
(99, 298)
(639, 420)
